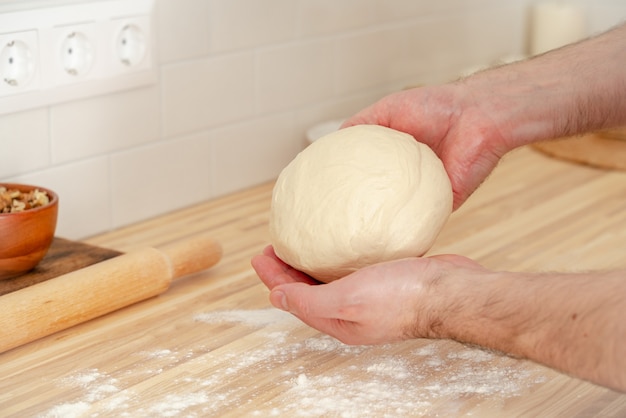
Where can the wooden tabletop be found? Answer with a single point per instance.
(213, 346)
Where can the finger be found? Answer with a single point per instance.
(272, 271)
(269, 271)
(269, 251)
(295, 274)
(311, 306)
(322, 301)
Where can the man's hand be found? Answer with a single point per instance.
(450, 121)
(382, 303)
(571, 322)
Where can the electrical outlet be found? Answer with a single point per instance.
(77, 51)
(19, 62)
(66, 52)
(70, 54)
(132, 38)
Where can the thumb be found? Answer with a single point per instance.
(305, 301)
(313, 305)
(291, 297)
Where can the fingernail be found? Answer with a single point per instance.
(279, 300)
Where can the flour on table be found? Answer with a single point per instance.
(253, 318)
(371, 381)
(96, 386)
(174, 404)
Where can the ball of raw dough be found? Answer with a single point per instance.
(355, 197)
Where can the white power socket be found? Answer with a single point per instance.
(72, 53)
(55, 54)
(132, 39)
(19, 63)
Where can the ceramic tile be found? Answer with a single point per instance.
(433, 51)
(331, 17)
(84, 196)
(104, 124)
(399, 10)
(294, 75)
(159, 178)
(206, 93)
(338, 109)
(182, 29)
(24, 142)
(605, 14)
(361, 61)
(252, 152)
(508, 22)
(237, 24)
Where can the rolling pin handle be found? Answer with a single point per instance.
(191, 255)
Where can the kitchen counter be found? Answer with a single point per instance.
(213, 346)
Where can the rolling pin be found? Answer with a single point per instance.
(64, 301)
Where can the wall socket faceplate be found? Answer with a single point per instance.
(55, 54)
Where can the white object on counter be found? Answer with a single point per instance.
(322, 128)
(555, 24)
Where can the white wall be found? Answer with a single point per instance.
(239, 83)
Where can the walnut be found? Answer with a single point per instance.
(12, 200)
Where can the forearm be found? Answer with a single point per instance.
(572, 90)
(570, 322)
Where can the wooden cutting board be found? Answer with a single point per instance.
(64, 256)
(603, 149)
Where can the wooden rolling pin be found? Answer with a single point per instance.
(62, 302)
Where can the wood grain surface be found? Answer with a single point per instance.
(212, 346)
(604, 149)
(63, 257)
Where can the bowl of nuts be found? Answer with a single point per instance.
(28, 219)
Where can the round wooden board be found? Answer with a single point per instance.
(595, 149)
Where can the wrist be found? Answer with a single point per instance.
(510, 101)
(479, 306)
(572, 90)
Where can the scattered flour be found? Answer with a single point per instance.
(253, 318)
(371, 381)
(96, 386)
(69, 410)
(172, 405)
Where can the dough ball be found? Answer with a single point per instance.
(356, 197)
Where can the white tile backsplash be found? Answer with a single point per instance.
(294, 75)
(331, 17)
(252, 152)
(84, 195)
(183, 30)
(239, 83)
(400, 10)
(201, 94)
(24, 142)
(104, 124)
(239, 24)
(360, 61)
(158, 178)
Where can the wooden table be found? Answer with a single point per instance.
(213, 346)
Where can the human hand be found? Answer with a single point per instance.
(382, 303)
(449, 120)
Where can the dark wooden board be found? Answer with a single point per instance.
(595, 149)
(64, 256)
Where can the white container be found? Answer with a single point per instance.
(555, 24)
(323, 128)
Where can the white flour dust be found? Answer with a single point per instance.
(95, 386)
(370, 381)
(256, 318)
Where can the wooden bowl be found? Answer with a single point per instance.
(27, 235)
